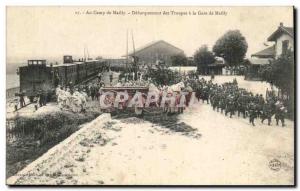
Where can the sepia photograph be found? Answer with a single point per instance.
(150, 95)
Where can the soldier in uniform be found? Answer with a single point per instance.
(261, 99)
(87, 90)
(40, 99)
(241, 105)
(266, 113)
(280, 113)
(198, 92)
(93, 91)
(222, 104)
(99, 77)
(229, 106)
(22, 101)
(110, 78)
(214, 100)
(97, 88)
(217, 101)
(252, 112)
(205, 94)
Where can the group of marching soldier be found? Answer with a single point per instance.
(229, 99)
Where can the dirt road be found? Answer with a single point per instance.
(133, 151)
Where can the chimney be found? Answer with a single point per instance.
(281, 24)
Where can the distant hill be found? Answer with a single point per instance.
(13, 64)
(11, 68)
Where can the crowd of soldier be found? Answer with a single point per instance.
(229, 99)
(75, 98)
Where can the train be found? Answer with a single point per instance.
(39, 76)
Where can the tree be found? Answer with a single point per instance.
(280, 73)
(203, 57)
(232, 46)
(163, 76)
(179, 60)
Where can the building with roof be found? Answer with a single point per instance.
(215, 68)
(161, 51)
(282, 39)
(265, 53)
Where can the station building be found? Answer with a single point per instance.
(156, 52)
(282, 40)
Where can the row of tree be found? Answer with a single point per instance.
(232, 47)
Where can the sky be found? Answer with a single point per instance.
(51, 32)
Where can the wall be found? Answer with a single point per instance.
(283, 37)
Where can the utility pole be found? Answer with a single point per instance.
(84, 53)
(126, 50)
(135, 59)
(88, 54)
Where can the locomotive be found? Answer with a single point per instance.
(39, 76)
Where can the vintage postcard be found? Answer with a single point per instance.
(155, 95)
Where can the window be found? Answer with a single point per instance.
(285, 45)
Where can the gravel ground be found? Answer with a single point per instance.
(134, 151)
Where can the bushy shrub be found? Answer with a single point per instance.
(33, 136)
(163, 76)
(43, 124)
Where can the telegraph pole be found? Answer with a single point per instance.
(126, 50)
(135, 60)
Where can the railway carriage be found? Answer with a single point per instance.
(60, 72)
(38, 75)
(91, 67)
(71, 73)
(35, 76)
(81, 71)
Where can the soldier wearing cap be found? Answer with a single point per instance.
(22, 101)
(41, 98)
(266, 112)
(252, 112)
(280, 113)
